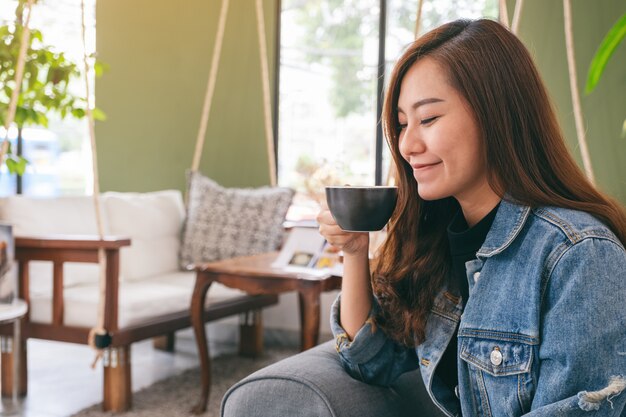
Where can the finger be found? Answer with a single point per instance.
(335, 248)
(331, 231)
(326, 217)
(336, 243)
(340, 242)
(335, 235)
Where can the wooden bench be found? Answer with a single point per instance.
(63, 295)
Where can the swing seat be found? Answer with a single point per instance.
(147, 295)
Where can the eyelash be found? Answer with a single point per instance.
(429, 120)
(423, 122)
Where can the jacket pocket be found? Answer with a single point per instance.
(497, 357)
(500, 374)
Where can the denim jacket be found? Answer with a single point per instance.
(543, 333)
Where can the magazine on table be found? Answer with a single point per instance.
(305, 250)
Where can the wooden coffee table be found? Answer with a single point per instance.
(256, 275)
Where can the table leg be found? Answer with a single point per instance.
(203, 282)
(309, 315)
(17, 346)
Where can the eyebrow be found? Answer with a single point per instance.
(422, 102)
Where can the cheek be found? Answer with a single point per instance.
(473, 152)
(459, 146)
(468, 164)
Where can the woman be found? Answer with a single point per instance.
(503, 277)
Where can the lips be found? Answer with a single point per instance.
(424, 166)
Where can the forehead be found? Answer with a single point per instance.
(424, 79)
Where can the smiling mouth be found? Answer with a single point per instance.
(424, 167)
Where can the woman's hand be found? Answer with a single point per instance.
(351, 243)
(356, 290)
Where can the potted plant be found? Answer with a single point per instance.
(44, 88)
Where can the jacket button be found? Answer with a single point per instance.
(476, 276)
(496, 356)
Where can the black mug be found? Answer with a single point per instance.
(361, 208)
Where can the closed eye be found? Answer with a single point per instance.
(429, 120)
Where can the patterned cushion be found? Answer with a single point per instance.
(228, 222)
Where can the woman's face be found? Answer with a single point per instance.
(439, 137)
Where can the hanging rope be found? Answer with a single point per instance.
(208, 98)
(265, 80)
(504, 14)
(99, 329)
(19, 74)
(516, 16)
(573, 82)
(418, 19)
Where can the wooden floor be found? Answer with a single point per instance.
(55, 394)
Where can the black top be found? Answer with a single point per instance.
(464, 242)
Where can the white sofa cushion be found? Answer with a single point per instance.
(153, 221)
(139, 300)
(31, 216)
(67, 215)
(40, 274)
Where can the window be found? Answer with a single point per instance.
(328, 83)
(59, 155)
(327, 112)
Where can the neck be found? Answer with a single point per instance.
(478, 206)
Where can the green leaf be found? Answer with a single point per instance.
(36, 34)
(16, 164)
(78, 113)
(42, 119)
(33, 116)
(100, 68)
(32, 76)
(21, 165)
(604, 53)
(11, 165)
(99, 114)
(21, 116)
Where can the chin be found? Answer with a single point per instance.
(430, 194)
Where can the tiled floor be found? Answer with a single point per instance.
(61, 381)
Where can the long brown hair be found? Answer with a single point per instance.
(524, 150)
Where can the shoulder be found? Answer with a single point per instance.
(577, 241)
(579, 254)
(573, 226)
(543, 232)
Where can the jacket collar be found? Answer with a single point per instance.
(509, 220)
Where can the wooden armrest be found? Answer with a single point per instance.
(83, 242)
(59, 249)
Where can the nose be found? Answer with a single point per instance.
(410, 142)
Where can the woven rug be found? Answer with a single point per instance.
(175, 396)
